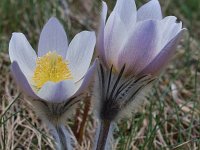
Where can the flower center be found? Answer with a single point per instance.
(50, 67)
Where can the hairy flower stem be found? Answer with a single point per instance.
(61, 137)
(105, 126)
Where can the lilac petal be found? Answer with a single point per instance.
(104, 12)
(169, 29)
(141, 46)
(53, 38)
(127, 12)
(115, 34)
(57, 92)
(85, 82)
(150, 10)
(161, 60)
(21, 51)
(80, 53)
(100, 38)
(21, 80)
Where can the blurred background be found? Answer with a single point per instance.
(169, 120)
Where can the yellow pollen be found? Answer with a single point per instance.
(50, 67)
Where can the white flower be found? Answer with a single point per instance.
(58, 71)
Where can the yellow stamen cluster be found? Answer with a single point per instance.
(50, 67)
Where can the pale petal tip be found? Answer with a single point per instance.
(54, 19)
(91, 33)
(150, 10)
(104, 11)
(53, 38)
(182, 32)
(17, 33)
(156, 2)
(184, 29)
(104, 5)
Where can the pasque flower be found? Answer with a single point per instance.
(133, 46)
(57, 75)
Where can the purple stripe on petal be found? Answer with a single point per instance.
(140, 47)
(150, 10)
(53, 38)
(161, 60)
(57, 92)
(21, 80)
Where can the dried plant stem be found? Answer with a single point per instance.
(82, 125)
(79, 126)
(77, 122)
(105, 126)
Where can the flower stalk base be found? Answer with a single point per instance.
(105, 127)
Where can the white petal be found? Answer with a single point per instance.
(21, 80)
(127, 12)
(162, 59)
(53, 38)
(100, 38)
(104, 12)
(57, 92)
(21, 51)
(80, 53)
(87, 79)
(169, 29)
(141, 46)
(115, 34)
(150, 10)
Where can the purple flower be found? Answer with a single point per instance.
(58, 72)
(141, 39)
(133, 46)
